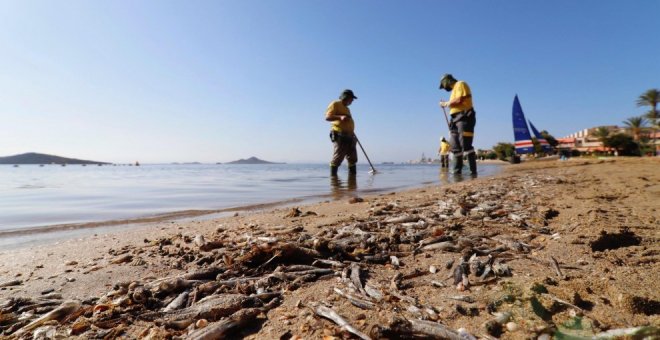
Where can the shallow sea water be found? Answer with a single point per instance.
(34, 197)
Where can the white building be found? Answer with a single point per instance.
(586, 141)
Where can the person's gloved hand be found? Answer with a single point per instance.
(444, 103)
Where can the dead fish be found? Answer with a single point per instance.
(140, 295)
(354, 300)
(52, 296)
(514, 217)
(464, 298)
(177, 303)
(211, 308)
(173, 285)
(414, 310)
(199, 240)
(268, 239)
(402, 219)
(416, 225)
(45, 332)
(432, 315)
(64, 310)
(486, 271)
(501, 269)
(353, 200)
(465, 335)
(446, 245)
(210, 245)
(502, 317)
(461, 273)
(438, 284)
(494, 326)
(294, 212)
(330, 314)
(92, 269)
(433, 239)
(80, 326)
(122, 259)
(476, 266)
(11, 283)
(449, 264)
(373, 292)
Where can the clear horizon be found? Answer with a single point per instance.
(217, 81)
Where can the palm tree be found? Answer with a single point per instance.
(601, 133)
(635, 126)
(651, 98)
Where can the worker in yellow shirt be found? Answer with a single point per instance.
(463, 120)
(444, 153)
(342, 133)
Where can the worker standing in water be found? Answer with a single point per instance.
(463, 120)
(444, 153)
(342, 133)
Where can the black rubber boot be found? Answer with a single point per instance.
(472, 161)
(458, 164)
(333, 170)
(352, 169)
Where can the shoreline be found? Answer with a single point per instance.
(577, 202)
(7, 236)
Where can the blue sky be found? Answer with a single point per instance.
(214, 81)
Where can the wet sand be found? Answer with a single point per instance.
(597, 218)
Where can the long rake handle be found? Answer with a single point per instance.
(365, 155)
(445, 112)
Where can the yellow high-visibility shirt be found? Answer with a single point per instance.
(444, 148)
(461, 90)
(338, 108)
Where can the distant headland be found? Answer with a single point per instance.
(252, 160)
(40, 158)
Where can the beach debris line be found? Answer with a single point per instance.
(234, 277)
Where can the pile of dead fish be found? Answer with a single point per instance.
(237, 276)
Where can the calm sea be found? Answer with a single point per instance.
(34, 197)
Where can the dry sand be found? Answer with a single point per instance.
(598, 218)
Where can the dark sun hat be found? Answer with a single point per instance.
(446, 80)
(347, 94)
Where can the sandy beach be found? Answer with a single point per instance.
(546, 245)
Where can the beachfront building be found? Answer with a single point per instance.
(654, 137)
(586, 141)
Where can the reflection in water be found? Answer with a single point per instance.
(352, 182)
(443, 175)
(339, 189)
(446, 176)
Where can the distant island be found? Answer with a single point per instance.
(40, 158)
(252, 160)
